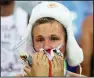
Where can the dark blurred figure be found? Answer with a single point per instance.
(86, 42)
(7, 7)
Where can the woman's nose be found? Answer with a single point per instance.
(47, 44)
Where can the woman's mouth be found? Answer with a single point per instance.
(49, 51)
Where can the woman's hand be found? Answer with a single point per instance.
(40, 64)
(57, 65)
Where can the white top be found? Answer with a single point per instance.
(10, 36)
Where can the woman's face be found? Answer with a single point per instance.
(48, 36)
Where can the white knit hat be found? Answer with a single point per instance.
(61, 14)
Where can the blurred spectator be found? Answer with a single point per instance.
(13, 23)
(86, 42)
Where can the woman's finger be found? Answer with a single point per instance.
(40, 55)
(59, 60)
(28, 71)
(62, 62)
(44, 57)
(54, 61)
(34, 57)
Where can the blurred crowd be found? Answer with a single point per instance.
(15, 17)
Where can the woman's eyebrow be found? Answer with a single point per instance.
(54, 35)
(39, 36)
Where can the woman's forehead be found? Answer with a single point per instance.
(48, 29)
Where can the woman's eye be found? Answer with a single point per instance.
(54, 38)
(40, 40)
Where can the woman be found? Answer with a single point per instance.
(49, 26)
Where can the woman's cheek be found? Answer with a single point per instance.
(57, 43)
(38, 46)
